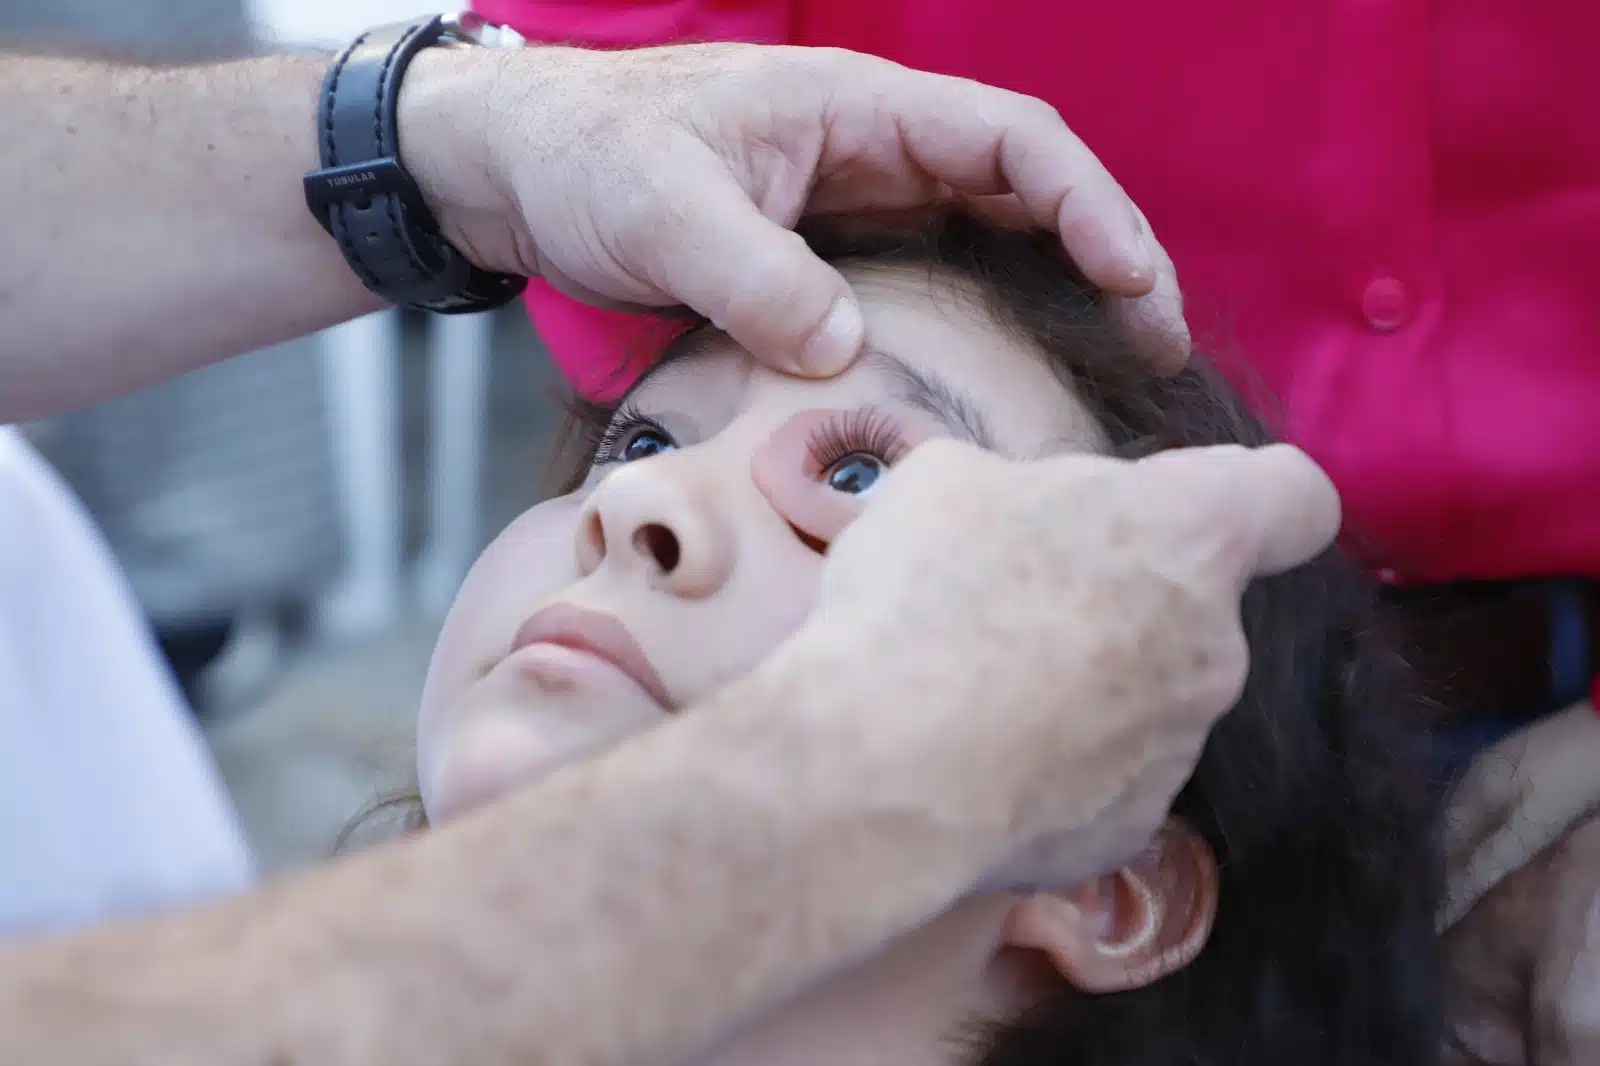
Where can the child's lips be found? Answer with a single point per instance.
(597, 635)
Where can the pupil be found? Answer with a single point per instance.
(855, 474)
(643, 446)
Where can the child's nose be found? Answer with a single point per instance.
(650, 516)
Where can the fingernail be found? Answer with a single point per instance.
(835, 343)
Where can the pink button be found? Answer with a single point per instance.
(1387, 304)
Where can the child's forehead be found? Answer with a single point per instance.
(932, 344)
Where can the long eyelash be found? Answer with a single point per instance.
(863, 431)
(623, 422)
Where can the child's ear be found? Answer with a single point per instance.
(1129, 928)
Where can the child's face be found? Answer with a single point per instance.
(717, 461)
(690, 553)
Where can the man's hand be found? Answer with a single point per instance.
(671, 175)
(658, 178)
(1046, 645)
(1523, 851)
(1524, 964)
(1012, 669)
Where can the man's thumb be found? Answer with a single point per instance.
(752, 277)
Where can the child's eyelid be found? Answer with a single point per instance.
(628, 416)
(623, 423)
(784, 469)
(867, 429)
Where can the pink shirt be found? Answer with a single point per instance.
(1390, 208)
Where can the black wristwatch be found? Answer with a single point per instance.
(363, 195)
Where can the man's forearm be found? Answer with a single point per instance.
(155, 223)
(627, 911)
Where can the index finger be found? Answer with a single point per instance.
(983, 141)
(1260, 511)
(1154, 322)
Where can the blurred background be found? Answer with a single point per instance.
(295, 523)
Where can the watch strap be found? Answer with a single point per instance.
(367, 201)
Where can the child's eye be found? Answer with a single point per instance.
(631, 437)
(852, 450)
(644, 443)
(855, 474)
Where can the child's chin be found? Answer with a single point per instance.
(487, 757)
(544, 708)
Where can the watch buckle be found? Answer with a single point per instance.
(469, 27)
(357, 184)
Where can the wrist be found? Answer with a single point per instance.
(446, 119)
(442, 114)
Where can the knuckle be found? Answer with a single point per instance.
(1040, 112)
(1020, 108)
(785, 75)
(1230, 664)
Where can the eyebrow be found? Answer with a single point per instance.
(925, 390)
(935, 396)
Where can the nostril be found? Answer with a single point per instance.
(660, 544)
(594, 534)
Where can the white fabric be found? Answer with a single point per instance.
(109, 805)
